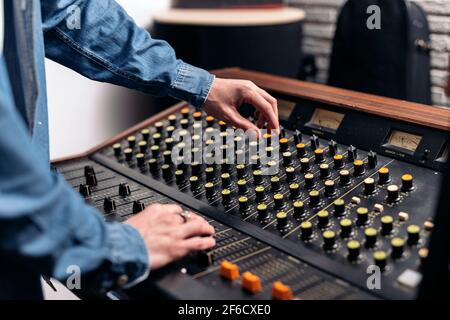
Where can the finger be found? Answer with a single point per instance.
(194, 228)
(198, 243)
(239, 121)
(273, 102)
(257, 100)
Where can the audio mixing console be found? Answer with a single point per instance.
(357, 186)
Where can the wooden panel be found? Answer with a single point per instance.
(429, 116)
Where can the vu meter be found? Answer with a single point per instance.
(325, 119)
(404, 140)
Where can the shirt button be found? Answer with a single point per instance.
(122, 280)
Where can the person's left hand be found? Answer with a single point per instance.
(226, 96)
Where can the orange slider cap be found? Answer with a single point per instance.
(229, 270)
(251, 283)
(281, 291)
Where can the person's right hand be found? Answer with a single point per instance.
(168, 237)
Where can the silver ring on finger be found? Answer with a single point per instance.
(186, 215)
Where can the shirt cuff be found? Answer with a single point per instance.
(130, 263)
(191, 84)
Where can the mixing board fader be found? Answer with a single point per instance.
(345, 196)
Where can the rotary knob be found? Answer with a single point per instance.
(301, 150)
(413, 234)
(384, 176)
(227, 200)
(242, 187)
(393, 194)
(275, 184)
(407, 183)
(198, 116)
(284, 144)
(324, 171)
(143, 146)
(299, 209)
(258, 177)
(329, 240)
(263, 213)
(314, 199)
(309, 181)
(117, 148)
(226, 180)
(210, 190)
(319, 158)
(362, 216)
(180, 177)
(287, 159)
(210, 174)
(138, 206)
(157, 138)
(358, 168)
(124, 190)
(369, 186)
(346, 228)
(291, 175)
(354, 248)
(260, 194)
(159, 126)
(156, 152)
(184, 123)
(330, 188)
(140, 158)
(338, 160)
(85, 190)
(167, 172)
(210, 121)
(109, 205)
(371, 235)
(344, 177)
(387, 225)
(339, 208)
(243, 205)
(380, 259)
(196, 169)
(167, 156)
(294, 190)
(195, 184)
(282, 221)
(306, 229)
(241, 171)
(131, 141)
(305, 165)
(398, 247)
(323, 219)
(128, 152)
(154, 166)
(145, 134)
(279, 201)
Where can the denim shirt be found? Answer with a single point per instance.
(45, 226)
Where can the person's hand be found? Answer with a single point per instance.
(226, 96)
(168, 237)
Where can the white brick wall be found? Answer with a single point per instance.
(319, 27)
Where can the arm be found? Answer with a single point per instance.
(109, 47)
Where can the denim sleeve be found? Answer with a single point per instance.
(46, 226)
(99, 40)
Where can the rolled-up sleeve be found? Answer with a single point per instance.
(46, 226)
(106, 45)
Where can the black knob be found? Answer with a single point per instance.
(380, 259)
(210, 174)
(154, 165)
(109, 205)
(314, 198)
(329, 240)
(301, 150)
(299, 209)
(260, 194)
(198, 116)
(315, 144)
(338, 160)
(124, 190)
(138, 206)
(243, 205)
(263, 213)
(393, 194)
(330, 188)
(384, 176)
(85, 190)
(346, 228)
(180, 177)
(159, 127)
(339, 207)
(210, 121)
(184, 123)
(369, 186)
(167, 172)
(157, 138)
(319, 157)
(156, 152)
(294, 190)
(354, 248)
(226, 180)
(210, 190)
(279, 201)
(291, 175)
(309, 181)
(169, 145)
(362, 216)
(256, 162)
(358, 168)
(195, 183)
(196, 169)
(143, 146)
(128, 154)
(241, 171)
(324, 171)
(242, 187)
(223, 126)
(284, 144)
(306, 229)
(117, 148)
(140, 158)
(407, 183)
(344, 178)
(323, 219)
(387, 225)
(332, 148)
(275, 184)
(287, 159)
(185, 113)
(305, 165)
(226, 167)
(372, 160)
(227, 200)
(398, 247)
(413, 234)
(167, 155)
(352, 154)
(298, 137)
(91, 179)
(258, 177)
(145, 134)
(131, 141)
(371, 237)
(282, 221)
